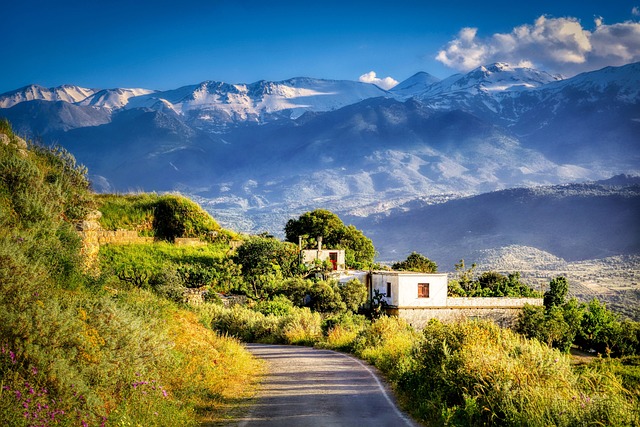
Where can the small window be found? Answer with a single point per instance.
(423, 290)
(388, 289)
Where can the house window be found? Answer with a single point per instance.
(423, 290)
(388, 289)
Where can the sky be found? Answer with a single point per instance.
(168, 44)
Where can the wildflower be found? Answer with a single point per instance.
(164, 393)
(34, 370)
(12, 355)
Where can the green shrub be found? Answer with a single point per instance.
(340, 331)
(177, 216)
(354, 294)
(479, 374)
(388, 344)
(279, 305)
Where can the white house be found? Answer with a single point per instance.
(410, 289)
(420, 297)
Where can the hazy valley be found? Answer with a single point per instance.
(475, 166)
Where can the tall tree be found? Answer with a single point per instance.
(359, 249)
(557, 293)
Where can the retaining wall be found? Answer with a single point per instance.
(503, 311)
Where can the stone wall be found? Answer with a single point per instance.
(503, 311)
(93, 235)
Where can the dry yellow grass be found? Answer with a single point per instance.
(216, 373)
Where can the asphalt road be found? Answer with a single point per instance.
(306, 387)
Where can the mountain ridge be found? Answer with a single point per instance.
(260, 153)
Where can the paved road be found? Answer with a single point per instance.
(306, 387)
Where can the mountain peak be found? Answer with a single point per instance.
(417, 83)
(66, 93)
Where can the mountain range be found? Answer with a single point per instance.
(258, 154)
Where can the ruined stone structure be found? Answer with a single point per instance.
(93, 235)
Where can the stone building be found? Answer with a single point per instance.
(335, 256)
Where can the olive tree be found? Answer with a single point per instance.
(359, 250)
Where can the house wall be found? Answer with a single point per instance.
(404, 288)
(503, 311)
(310, 255)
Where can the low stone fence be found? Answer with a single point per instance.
(503, 311)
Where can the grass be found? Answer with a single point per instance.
(81, 350)
(464, 374)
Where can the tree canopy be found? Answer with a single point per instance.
(359, 249)
(416, 262)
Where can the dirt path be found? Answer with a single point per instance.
(309, 387)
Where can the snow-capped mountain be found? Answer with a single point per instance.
(66, 93)
(211, 104)
(494, 78)
(413, 86)
(113, 98)
(256, 153)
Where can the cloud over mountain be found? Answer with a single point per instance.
(560, 45)
(371, 77)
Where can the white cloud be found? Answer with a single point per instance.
(385, 83)
(556, 44)
(635, 11)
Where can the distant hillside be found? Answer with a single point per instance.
(574, 222)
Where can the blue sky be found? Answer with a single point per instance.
(167, 44)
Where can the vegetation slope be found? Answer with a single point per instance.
(77, 349)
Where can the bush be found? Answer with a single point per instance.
(177, 216)
(354, 294)
(279, 305)
(388, 344)
(479, 374)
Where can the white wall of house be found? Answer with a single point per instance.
(404, 289)
(336, 256)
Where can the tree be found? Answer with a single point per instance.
(354, 294)
(359, 250)
(599, 328)
(265, 262)
(416, 262)
(557, 293)
(465, 275)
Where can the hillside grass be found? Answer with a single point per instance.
(165, 217)
(463, 374)
(92, 350)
